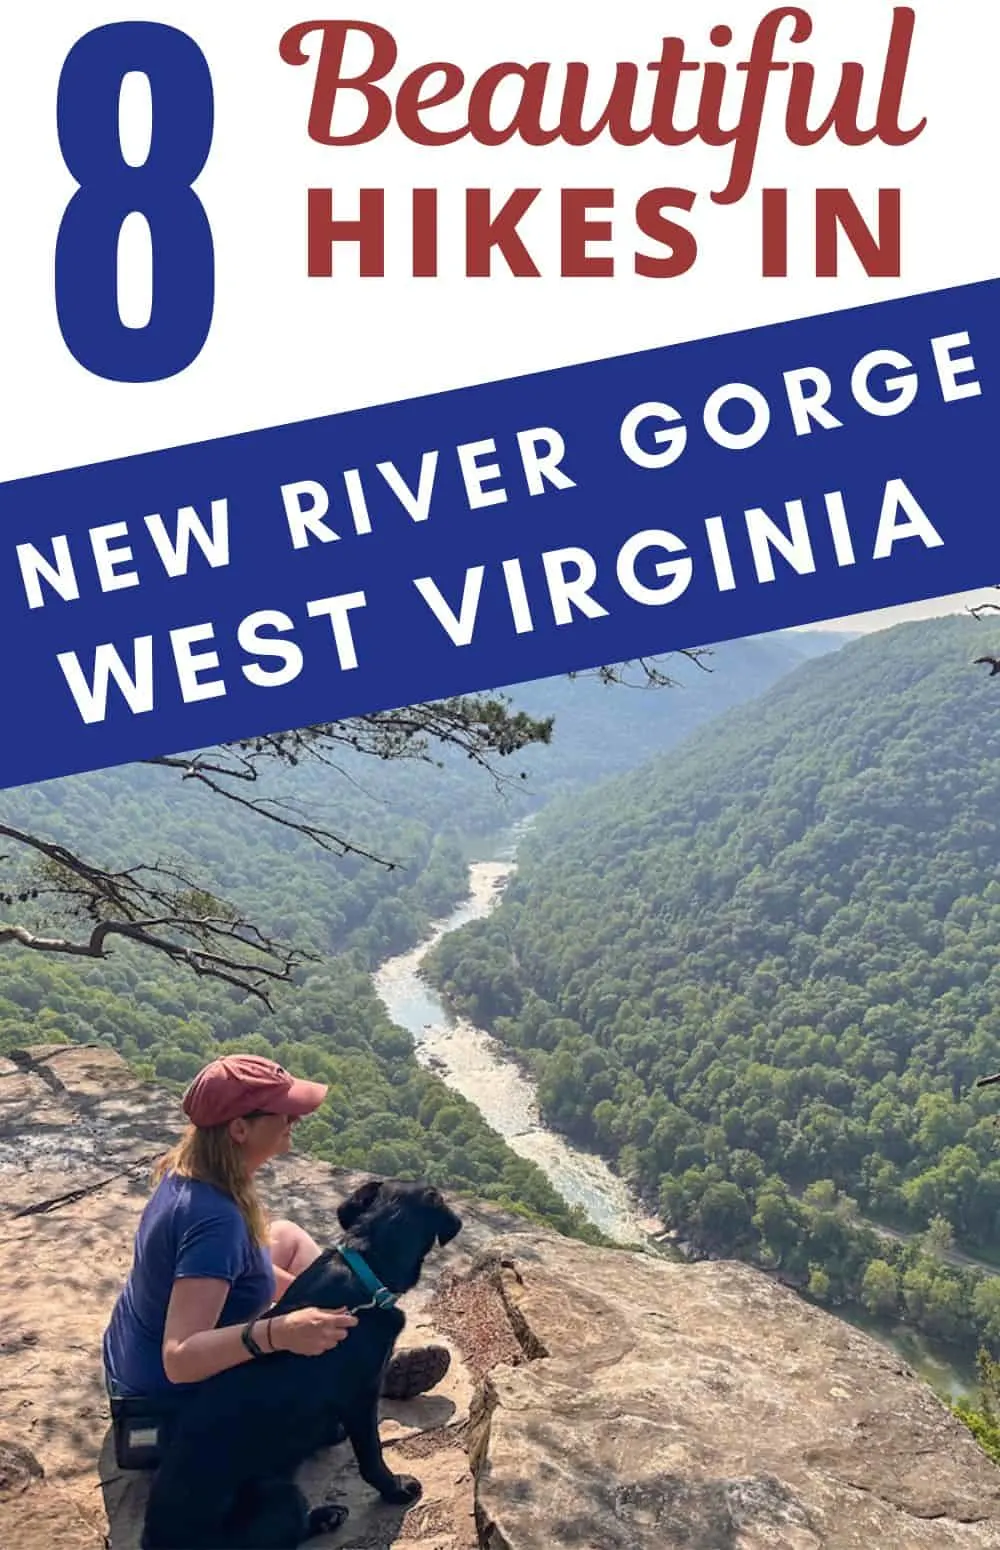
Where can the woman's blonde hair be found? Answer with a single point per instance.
(211, 1155)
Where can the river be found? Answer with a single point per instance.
(476, 1065)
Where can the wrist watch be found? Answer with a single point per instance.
(246, 1335)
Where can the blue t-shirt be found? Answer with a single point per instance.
(187, 1229)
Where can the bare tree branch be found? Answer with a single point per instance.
(652, 676)
(283, 813)
(155, 906)
(160, 907)
(979, 612)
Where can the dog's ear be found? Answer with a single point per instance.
(451, 1226)
(447, 1224)
(361, 1200)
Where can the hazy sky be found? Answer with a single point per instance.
(882, 618)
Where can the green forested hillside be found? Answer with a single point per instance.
(763, 974)
(386, 1113)
(607, 729)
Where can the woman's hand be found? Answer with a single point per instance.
(310, 1331)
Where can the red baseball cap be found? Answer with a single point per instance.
(237, 1085)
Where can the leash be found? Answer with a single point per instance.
(381, 1297)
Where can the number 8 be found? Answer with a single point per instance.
(86, 268)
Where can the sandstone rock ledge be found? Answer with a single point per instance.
(598, 1400)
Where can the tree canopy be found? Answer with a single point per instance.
(761, 974)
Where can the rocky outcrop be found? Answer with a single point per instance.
(598, 1399)
(677, 1405)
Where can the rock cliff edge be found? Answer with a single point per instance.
(598, 1399)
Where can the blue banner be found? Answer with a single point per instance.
(500, 533)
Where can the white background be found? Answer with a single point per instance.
(285, 347)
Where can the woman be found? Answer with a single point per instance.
(207, 1262)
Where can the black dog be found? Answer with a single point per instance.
(226, 1481)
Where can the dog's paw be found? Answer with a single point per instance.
(326, 1519)
(404, 1489)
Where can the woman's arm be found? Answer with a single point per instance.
(193, 1349)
